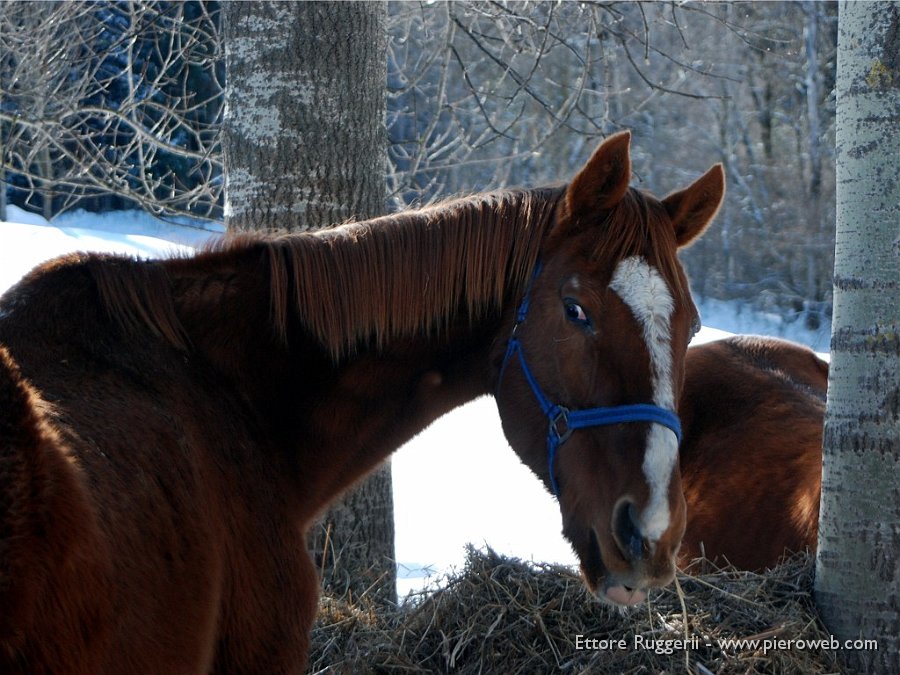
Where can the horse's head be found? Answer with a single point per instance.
(593, 369)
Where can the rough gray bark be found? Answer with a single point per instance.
(304, 144)
(304, 119)
(857, 567)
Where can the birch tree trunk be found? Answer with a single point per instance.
(304, 144)
(857, 567)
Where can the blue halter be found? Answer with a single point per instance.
(562, 421)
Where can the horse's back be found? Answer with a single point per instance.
(753, 410)
(170, 536)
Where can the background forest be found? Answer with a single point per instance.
(118, 105)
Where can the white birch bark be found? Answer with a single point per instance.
(857, 567)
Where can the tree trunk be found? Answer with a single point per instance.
(857, 566)
(304, 147)
(304, 134)
(814, 145)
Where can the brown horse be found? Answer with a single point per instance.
(169, 429)
(751, 460)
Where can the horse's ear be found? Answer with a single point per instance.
(693, 208)
(603, 180)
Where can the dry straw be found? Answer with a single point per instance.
(502, 615)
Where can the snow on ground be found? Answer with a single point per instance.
(457, 482)
(734, 318)
(28, 239)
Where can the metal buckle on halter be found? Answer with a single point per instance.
(562, 413)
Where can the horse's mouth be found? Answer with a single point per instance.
(605, 584)
(623, 596)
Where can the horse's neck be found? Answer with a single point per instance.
(377, 400)
(340, 419)
(341, 409)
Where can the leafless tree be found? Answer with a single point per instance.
(103, 99)
(480, 94)
(477, 87)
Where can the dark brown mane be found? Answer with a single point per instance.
(406, 272)
(638, 225)
(384, 277)
(136, 294)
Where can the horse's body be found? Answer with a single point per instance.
(169, 429)
(751, 459)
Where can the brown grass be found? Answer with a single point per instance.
(502, 615)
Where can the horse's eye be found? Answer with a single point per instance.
(696, 325)
(576, 314)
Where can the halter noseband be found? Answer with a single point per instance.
(562, 420)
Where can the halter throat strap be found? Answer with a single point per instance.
(562, 421)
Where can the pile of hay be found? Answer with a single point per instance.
(502, 615)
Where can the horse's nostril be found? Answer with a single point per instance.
(627, 532)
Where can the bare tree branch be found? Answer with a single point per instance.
(95, 100)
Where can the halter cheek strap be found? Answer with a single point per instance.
(562, 421)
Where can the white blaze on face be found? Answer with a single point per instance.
(641, 287)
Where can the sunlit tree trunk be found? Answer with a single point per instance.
(858, 561)
(304, 148)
